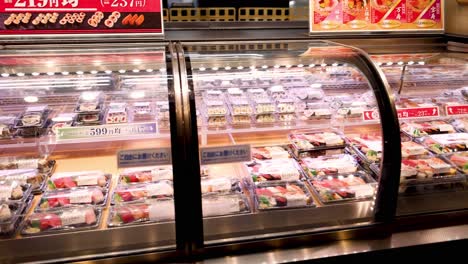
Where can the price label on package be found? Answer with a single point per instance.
(225, 154)
(80, 16)
(105, 131)
(418, 112)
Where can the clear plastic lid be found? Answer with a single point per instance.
(280, 195)
(459, 159)
(306, 141)
(224, 204)
(147, 211)
(460, 124)
(329, 165)
(270, 152)
(240, 107)
(420, 169)
(146, 174)
(67, 180)
(33, 118)
(274, 170)
(369, 146)
(286, 105)
(214, 108)
(62, 220)
(421, 129)
(14, 191)
(410, 148)
(73, 197)
(220, 185)
(317, 110)
(24, 176)
(446, 143)
(7, 120)
(344, 187)
(139, 192)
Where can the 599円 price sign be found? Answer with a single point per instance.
(80, 16)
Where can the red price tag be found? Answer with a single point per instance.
(418, 112)
(456, 110)
(370, 115)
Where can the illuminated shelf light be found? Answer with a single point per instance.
(108, 71)
(227, 68)
(276, 66)
(80, 72)
(300, 65)
(323, 64)
(288, 66)
(410, 62)
(135, 70)
(31, 99)
(265, 67)
(389, 63)
(20, 74)
(335, 64)
(240, 67)
(252, 67)
(379, 63)
(150, 70)
(311, 65)
(202, 68)
(50, 73)
(5, 74)
(400, 63)
(162, 70)
(421, 63)
(215, 68)
(94, 72)
(35, 74)
(122, 71)
(65, 73)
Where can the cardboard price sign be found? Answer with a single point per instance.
(80, 16)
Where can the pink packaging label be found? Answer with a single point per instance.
(328, 13)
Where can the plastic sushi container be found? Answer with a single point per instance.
(344, 187)
(145, 174)
(306, 141)
(140, 192)
(43, 165)
(62, 120)
(220, 185)
(36, 179)
(68, 180)
(447, 143)
(11, 214)
(421, 129)
(458, 159)
(146, 211)
(329, 165)
(33, 122)
(61, 220)
(225, 204)
(460, 124)
(270, 152)
(367, 146)
(92, 196)
(7, 124)
(13, 191)
(273, 170)
(282, 195)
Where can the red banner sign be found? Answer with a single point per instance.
(456, 110)
(418, 112)
(80, 16)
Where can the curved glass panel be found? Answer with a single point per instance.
(310, 120)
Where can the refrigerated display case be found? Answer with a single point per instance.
(72, 119)
(307, 111)
(430, 96)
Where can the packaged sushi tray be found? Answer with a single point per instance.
(329, 165)
(68, 180)
(311, 141)
(11, 215)
(13, 191)
(142, 191)
(220, 185)
(36, 179)
(281, 195)
(270, 152)
(367, 146)
(459, 159)
(92, 196)
(43, 165)
(274, 170)
(421, 129)
(224, 204)
(446, 143)
(145, 174)
(61, 220)
(145, 211)
(344, 187)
